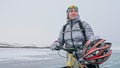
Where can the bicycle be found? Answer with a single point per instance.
(72, 62)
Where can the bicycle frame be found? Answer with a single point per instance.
(72, 62)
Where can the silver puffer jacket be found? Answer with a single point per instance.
(73, 34)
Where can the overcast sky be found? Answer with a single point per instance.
(39, 21)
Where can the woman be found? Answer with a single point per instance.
(74, 33)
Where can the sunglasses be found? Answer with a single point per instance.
(72, 7)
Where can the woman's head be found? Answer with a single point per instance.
(72, 12)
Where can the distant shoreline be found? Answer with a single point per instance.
(25, 47)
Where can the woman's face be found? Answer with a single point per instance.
(73, 14)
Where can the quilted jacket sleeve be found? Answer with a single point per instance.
(88, 30)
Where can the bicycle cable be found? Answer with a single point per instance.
(61, 55)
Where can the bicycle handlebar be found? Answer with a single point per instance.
(68, 49)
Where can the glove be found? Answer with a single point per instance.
(55, 46)
(92, 38)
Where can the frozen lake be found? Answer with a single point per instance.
(42, 58)
(29, 58)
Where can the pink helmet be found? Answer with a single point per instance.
(97, 52)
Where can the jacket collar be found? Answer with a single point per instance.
(73, 20)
